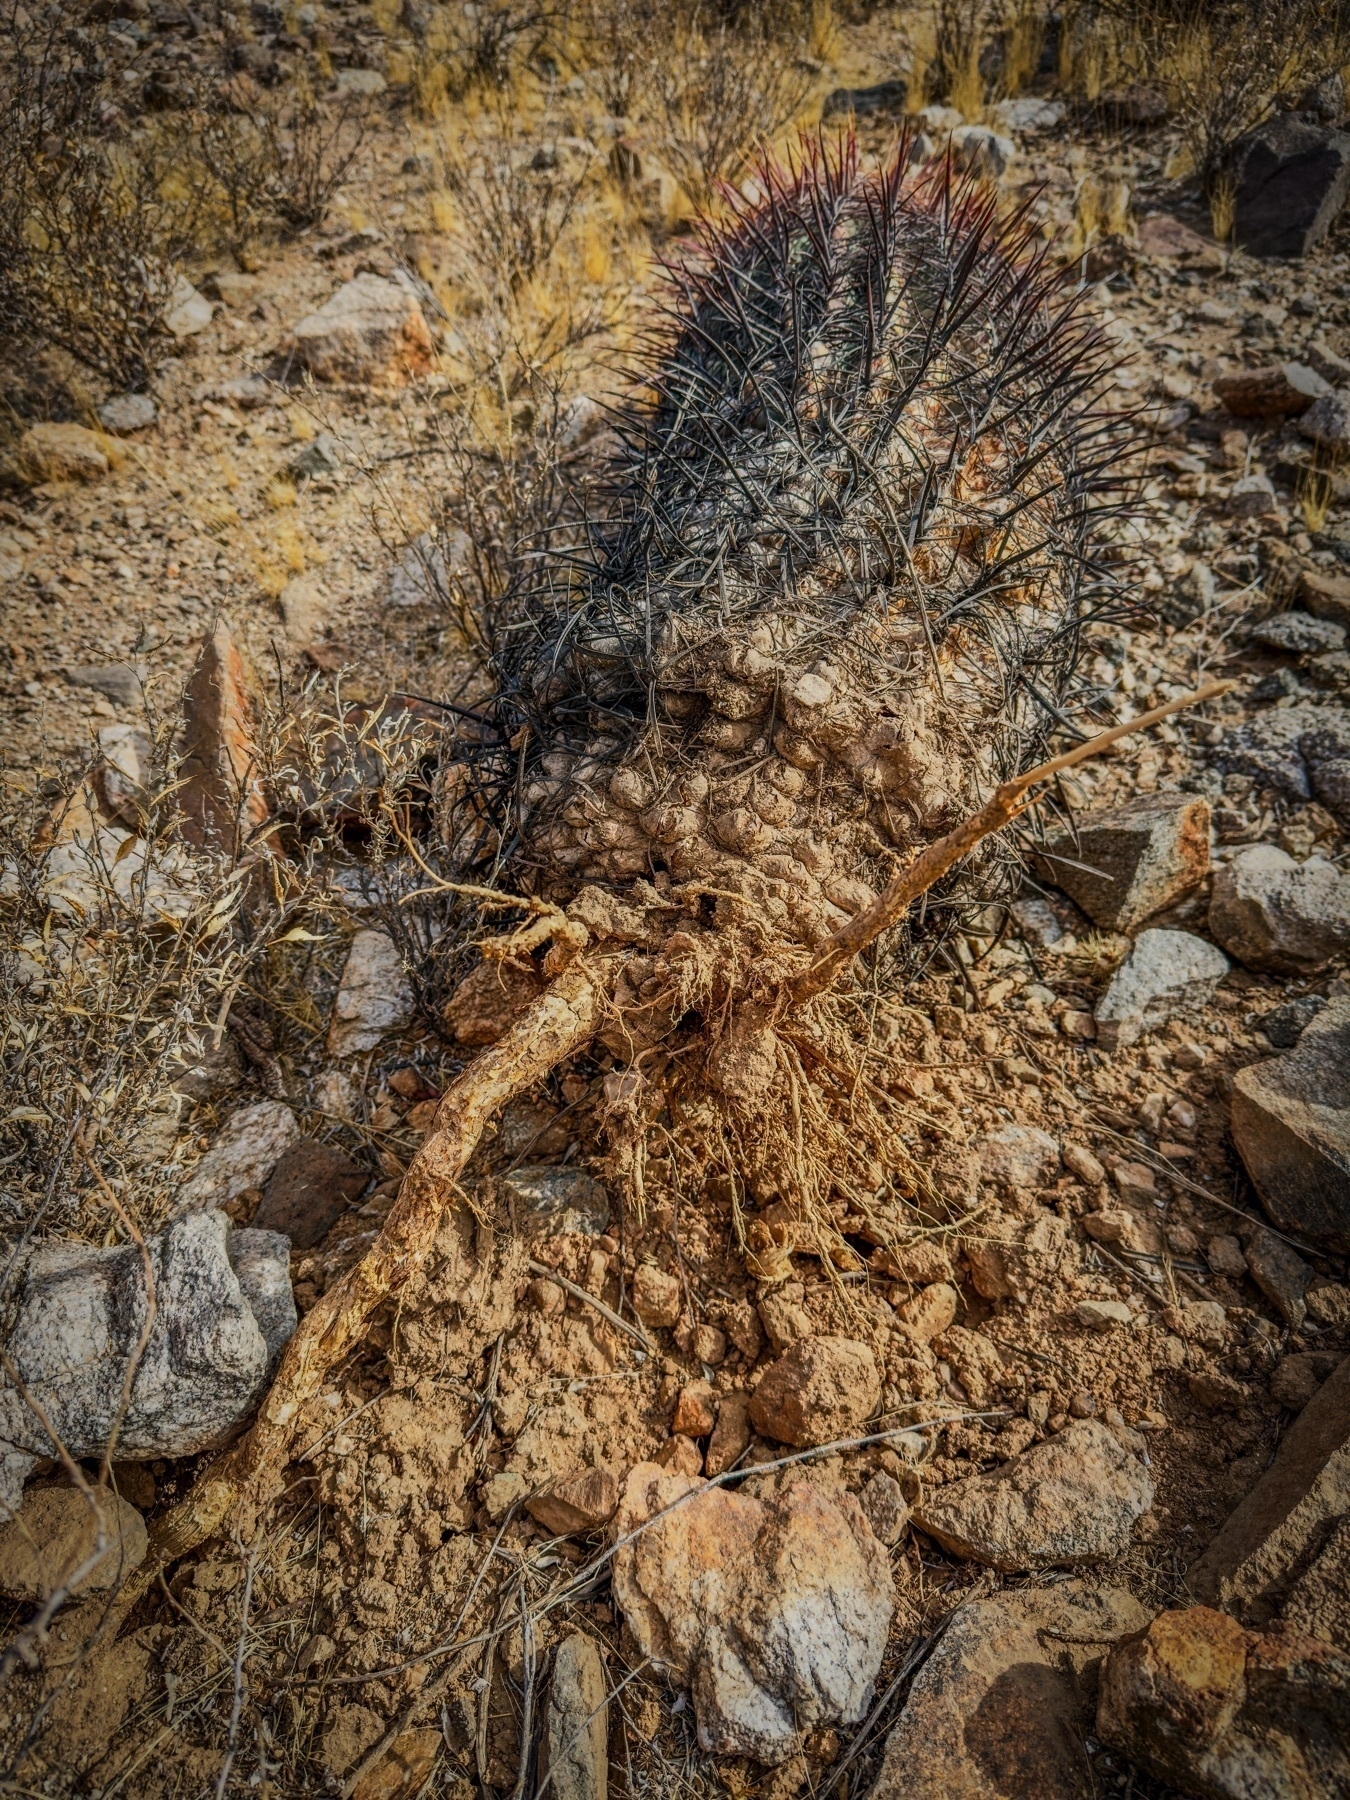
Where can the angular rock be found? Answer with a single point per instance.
(488, 999)
(928, 1313)
(188, 311)
(1292, 180)
(123, 773)
(1003, 1703)
(582, 1503)
(785, 1320)
(1297, 1378)
(310, 1188)
(695, 1410)
(1030, 114)
(1121, 1225)
(1281, 1274)
(122, 683)
(1228, 1714)
(247, 1149)
(1073, 1499)
(1299, 633)
(1272, 912)
(371, 330)
(1328, 1303)
(575, 1755)
(1253, 497)
(1128, 862)
(55, 1533)
(1103, 1315)
(323, 455)
(1280, 1554)
(657, 1297)
(730, 1436)
(1325, 595)
(221, 798)
(62, 453)
(552, 1198)
(982, 150)
(774, 1613)
(1013, 1257)
(887, 1511)
(1327, 423)
(1266, 393)
(1302, 752)
(304, 605)
(1284, 1025)
(124, 414)
(77, 1320)
(823, 1389)
(1167, 975)
(1291, 1124)
(1018, 1157)
(374, 996)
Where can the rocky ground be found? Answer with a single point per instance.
(1098, 1369)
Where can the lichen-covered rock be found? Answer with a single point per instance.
(246, 1150)
(774, 1613)
(370, 330)
(374, 996)
(1228, 1714)
(1272, 912)
(222, 1312)
(1166, 975)
(1003, 1704)
(1073, 1499)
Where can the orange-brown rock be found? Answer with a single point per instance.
(581, 1503)
(774, 1613)
(823, 1389)
(221, 799)
(1226, 1713)
(488, 999)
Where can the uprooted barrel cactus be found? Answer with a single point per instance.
(835, 594)
(850, 544)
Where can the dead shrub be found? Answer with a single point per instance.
(91, 223)
(719, 96)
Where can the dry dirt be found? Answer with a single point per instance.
(396, 1545)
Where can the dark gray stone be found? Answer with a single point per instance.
(223, 1311)
(1293, 176)
(1302, 752)
(1291, 1125)
(1126, 863)
(884, 97)
(552, 1199)
(1285, 1025)
(120, 682)
(322, 457)
(1299, 633)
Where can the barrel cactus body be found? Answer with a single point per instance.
(837, 586)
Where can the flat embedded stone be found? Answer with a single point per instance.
(1073, 1499)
